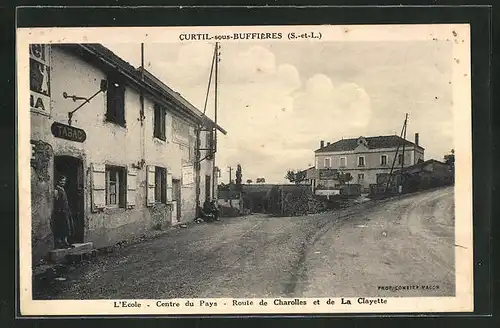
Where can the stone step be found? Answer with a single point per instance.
(76, 258)
(60, 255)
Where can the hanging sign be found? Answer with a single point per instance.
(40, 78)
(67, 132)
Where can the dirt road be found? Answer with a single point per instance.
(400, 248)
(407, 241)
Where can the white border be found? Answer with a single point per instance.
(462, 302)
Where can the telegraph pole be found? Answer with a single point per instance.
(216, 91)
(229, 191)
(403, 153)
(403, 131)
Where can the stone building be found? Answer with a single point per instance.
(137, 155)
(363, 158)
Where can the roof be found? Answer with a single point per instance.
(422, 165)
(379, 142)
(308, 169)
(153, 85)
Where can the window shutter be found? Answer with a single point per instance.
(98, 186)
(169, 187)
(156, 120)
(131, 186)
(150, 192)
(120, 103)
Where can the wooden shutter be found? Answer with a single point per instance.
(98, 186)
(120, 102)
(150, 180)
(131, 186)
(111, 99)
(156, 121)
(169, 187)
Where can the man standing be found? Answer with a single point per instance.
(63, 222)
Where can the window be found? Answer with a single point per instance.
(361, 176)
(115, 186)
(159, 122)
(342, 162)
(361, 161)
(209, 144)
(160, 185)
(383, 160)
(115, 100)
(400, 159)
(327, 162)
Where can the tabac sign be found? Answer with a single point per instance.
(67, 132)
(40, 78)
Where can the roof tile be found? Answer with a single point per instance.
(373, 143)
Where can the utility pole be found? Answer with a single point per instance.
(403, 153)
(211, 147)
(216, 90)
(229, 191)
(403, 130)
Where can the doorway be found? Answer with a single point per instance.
(176, 200)
(72, 168)
(208, 187)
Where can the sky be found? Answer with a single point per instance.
(278, 100)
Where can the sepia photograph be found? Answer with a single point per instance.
(309, 168)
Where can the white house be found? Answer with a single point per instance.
(136, 154)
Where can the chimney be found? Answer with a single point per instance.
(321, 144)
(328, 144)
(416, 139)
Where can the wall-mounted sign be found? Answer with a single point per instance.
(328, 174)
(40, 78)
(187, 175)
(67, 132)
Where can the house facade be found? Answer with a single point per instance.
(420, 176)
(363, 158)
(136, 155)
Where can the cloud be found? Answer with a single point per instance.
(191, 66)
(274, 121)
(277, 104)
(336, 108)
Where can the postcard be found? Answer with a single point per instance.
(245, 170)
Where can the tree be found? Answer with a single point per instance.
(344, 177)
(238, 177)
(450, 159)
(249, 181)
(290, 175)
(300, 176)
(260, 180)
(295, 176)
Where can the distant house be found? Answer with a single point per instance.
(363, 158)
(423, 175)
(309, 176)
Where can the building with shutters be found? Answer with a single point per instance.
(363, 158)
(137, 155)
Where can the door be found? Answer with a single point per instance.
(208, 187)
(72, 168)
(176, 200)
